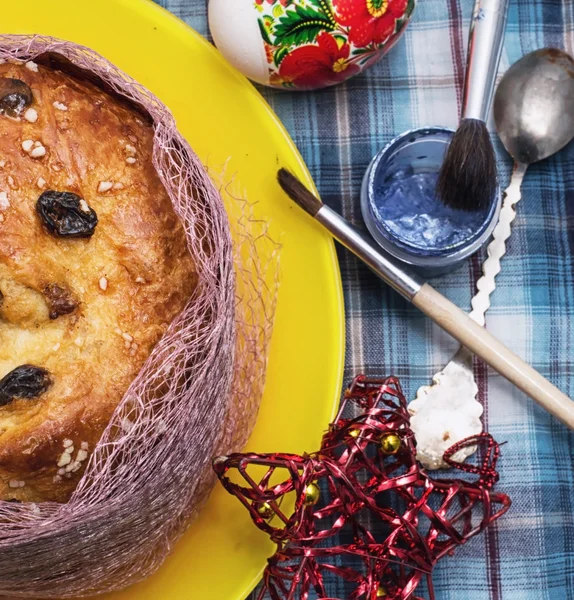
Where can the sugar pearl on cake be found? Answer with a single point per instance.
(27, 145)
(67, 443)
(127, 337)
(84, 445)
(4, 202)
(38, 152)
(103, 284)
(130, 149)
(41, 183)
(75, 465)
(32, 66)
(60, 106)
(31, 115)
(140, 280)
(84, 206)
(65, 459)
(105, 186)
(130, 160)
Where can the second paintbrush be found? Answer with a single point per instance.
(468, 177)
(441, 310)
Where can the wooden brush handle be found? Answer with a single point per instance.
(493, 352)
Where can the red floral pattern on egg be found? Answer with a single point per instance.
(318, 65)
(369, 21)
(310, 44)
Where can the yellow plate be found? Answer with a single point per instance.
(224, 118)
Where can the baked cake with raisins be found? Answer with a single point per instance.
(94, 266)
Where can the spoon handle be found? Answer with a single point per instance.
(454, 389)
(497, 247)
(484, 50)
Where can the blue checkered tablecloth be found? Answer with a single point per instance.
(529, 554)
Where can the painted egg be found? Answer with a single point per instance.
(306, 44)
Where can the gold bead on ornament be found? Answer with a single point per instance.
(312, 494)
(264, 510)
(390, 443)
(381, 592)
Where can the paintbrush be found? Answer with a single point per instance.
(468, 176)
(433, 304)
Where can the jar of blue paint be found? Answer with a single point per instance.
(404, 215)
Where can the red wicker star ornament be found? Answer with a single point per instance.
(365, 473)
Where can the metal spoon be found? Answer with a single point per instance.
(534, 116)
(534, 105)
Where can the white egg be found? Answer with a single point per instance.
(305, 44)
(235, 31)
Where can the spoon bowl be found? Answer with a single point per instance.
(534, 105)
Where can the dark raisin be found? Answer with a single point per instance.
(15, 97)
(60, 300)
(25, 382)
(63, 214)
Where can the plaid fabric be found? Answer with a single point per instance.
(529, 554)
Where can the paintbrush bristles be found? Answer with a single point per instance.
(467, 179)
(298, 192)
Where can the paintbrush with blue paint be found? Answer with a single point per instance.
(468, 176)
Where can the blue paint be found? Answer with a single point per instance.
(405, 204)
(404, 215)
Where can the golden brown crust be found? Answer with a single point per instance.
(123, 286)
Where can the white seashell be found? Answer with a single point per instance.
(445, 413)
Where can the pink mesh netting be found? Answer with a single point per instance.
(196, 396)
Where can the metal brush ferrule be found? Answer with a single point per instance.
(485, 42)
(406, 284)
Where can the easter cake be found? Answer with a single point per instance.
(94, 266)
